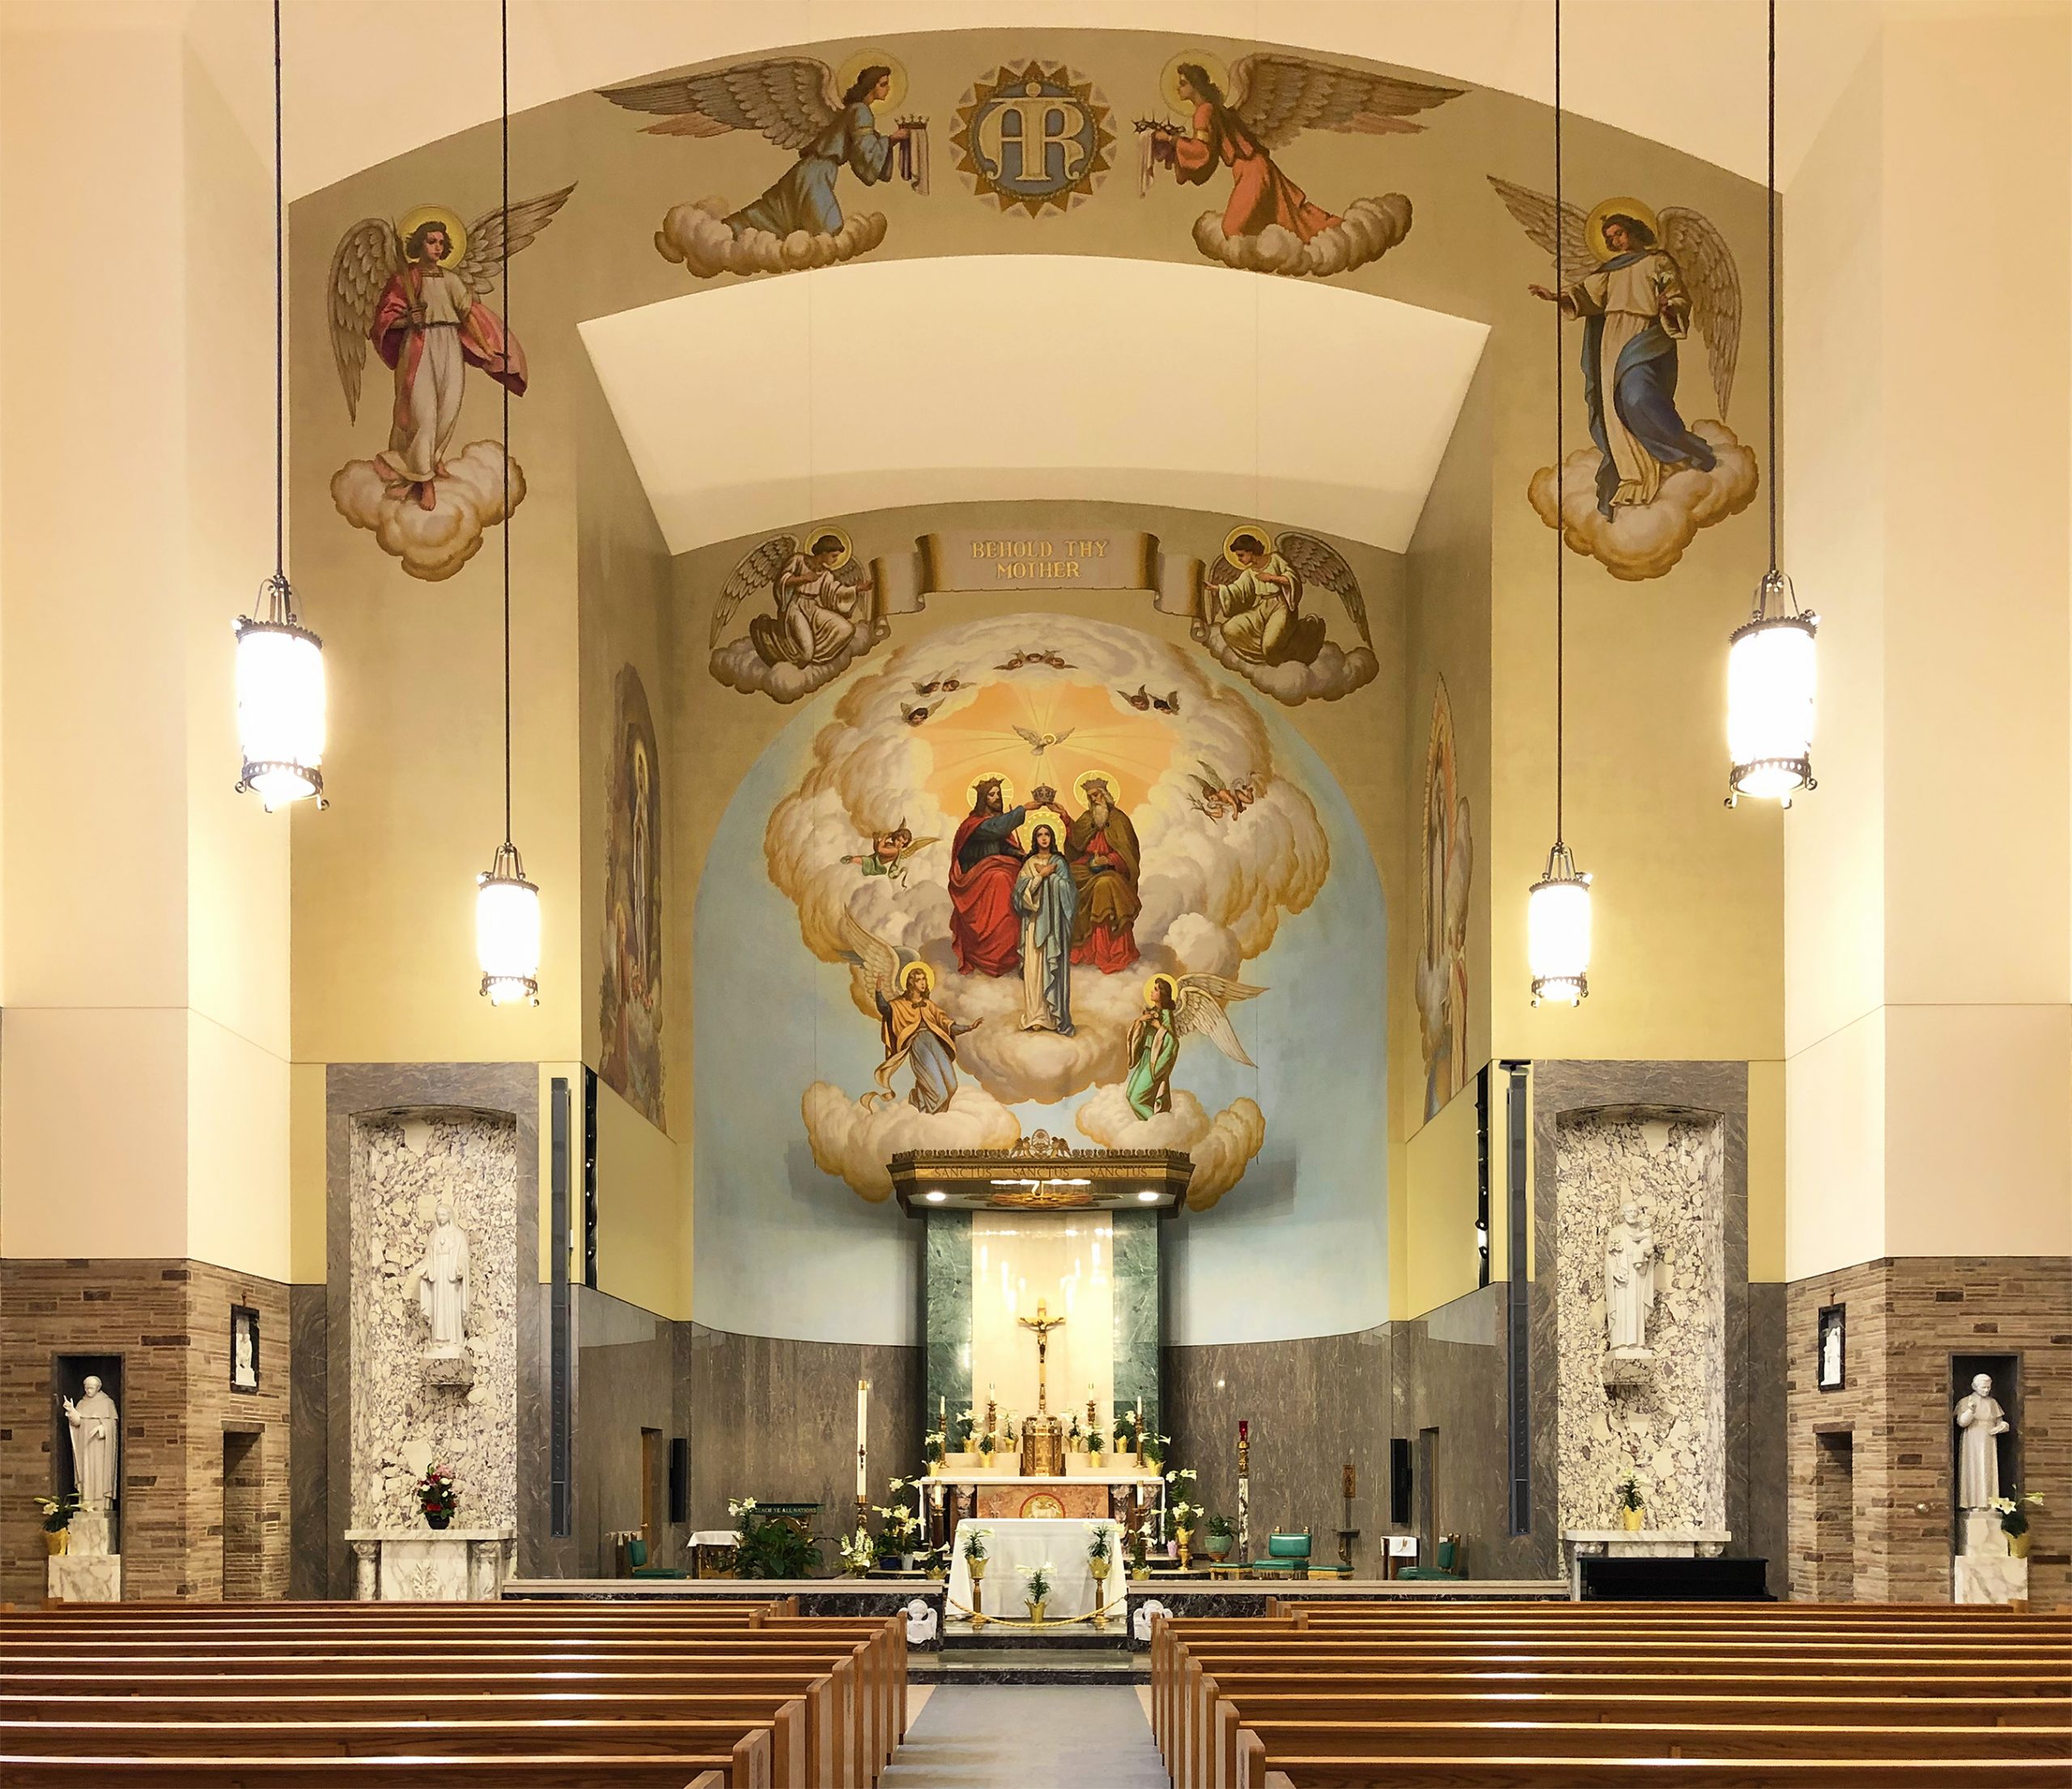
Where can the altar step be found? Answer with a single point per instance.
(1016, 1655)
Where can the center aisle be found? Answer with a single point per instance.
(1028, 1736)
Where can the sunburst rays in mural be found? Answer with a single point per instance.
(1048, 732)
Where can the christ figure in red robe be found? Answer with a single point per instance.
(985, 858)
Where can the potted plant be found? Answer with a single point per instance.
(1140, 1555)
(1152, 1446)
(1218, 1537)
(1095, 1442)
(437, 1497)
(1100, 1562)
(986, 1446)
(1125, 1451)
(961, 1453)
(2014, 1518)
(1183, 1515)
(770, 1546)
(1632, 1511)
(932, 1451)
(1038, 1592)
(936, 1562)
(974, 1552)
(901, 1527)
(58, 1513)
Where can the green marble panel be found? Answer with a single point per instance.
(1138, 1307)
(946, 1311)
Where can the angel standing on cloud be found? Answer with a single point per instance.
(1173, 1010)
(415, 289)
(918, 1035)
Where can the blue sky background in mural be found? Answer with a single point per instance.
(770, 1018)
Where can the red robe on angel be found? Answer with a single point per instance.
(1261, 194)
(430, 329)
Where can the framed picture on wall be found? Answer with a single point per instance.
(1831, 1348)
(244, 1349)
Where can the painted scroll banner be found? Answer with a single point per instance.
(962, 561)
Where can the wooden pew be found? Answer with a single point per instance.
(402, 1770)
(1527, 1772)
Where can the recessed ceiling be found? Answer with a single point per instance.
(1688, 73)
(760, 407)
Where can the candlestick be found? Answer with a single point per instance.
(863, 1440)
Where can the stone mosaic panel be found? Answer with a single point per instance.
(1670, 1427)
(403, 1417)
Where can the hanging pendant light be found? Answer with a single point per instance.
(507, 905)
(1557, 907)
(280, 662)
(1770, 659)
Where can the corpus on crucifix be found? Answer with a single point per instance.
(1043, 1322)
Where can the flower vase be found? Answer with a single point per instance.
(438, 1519)
(1182, 1536)
(2018, 1545)
(1036, 1611)
(1100, 1569)
(56, 1542)
(1632, 1521)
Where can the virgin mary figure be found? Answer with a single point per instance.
(1046, 901)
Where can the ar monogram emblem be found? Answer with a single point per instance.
(1037, 136)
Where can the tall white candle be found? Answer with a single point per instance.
(862, 1442)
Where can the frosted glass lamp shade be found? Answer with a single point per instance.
(280, 711)
(1770, 691)
(507, 930)
(1557, 932)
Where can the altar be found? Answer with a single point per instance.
(1013, 1549)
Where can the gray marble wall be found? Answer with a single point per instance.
(309, 1499)
(776, 1421)
(1314, 1405)
(945, 1322)
(1138, 1290)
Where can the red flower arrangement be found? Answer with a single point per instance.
(437, 1497)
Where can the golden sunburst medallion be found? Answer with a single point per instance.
(1035, 136)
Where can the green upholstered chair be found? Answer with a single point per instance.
(636, 1557)
(1446, 1561)
(1288, 1553)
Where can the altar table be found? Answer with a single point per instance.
(1013, 1544)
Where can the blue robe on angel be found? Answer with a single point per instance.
(804, 198)
(1046, 903)
(1635, 308)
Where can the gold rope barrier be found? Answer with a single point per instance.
(1098, 1614)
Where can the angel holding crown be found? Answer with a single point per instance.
(1175, 1009)
(918, 1035)
(415, 290)
(1271, 99)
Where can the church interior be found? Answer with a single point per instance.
(1081, 912)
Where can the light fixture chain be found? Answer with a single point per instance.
(1560, 470)
(280, 332)
(503, 71)
(1770, 245)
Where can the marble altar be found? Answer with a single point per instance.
(84, 1578)
(432, 1565)
(1013, 1546)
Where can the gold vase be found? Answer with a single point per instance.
(1632, 1520)
(1036, 1611)
(1100, 1569)
(2018, 1544)
(1183, 1536)
(56, 1542)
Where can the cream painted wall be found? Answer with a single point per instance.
(144, 1108)
(1929, 1032)
(1443, 1261)
(644, 1210)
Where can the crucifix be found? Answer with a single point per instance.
(1042, 1323)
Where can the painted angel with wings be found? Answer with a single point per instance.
(1176, 1008)
(1254, 607)
(1641, 283)
(1267, 100)
(799, 103)
(918, 1035)
(415, 288)
(822, 616)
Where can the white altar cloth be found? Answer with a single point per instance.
(1014, 1544)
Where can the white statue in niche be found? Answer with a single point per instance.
(443, 1282)
(95, 1425)
(1830, 1355)
(244, 1371)
(1980, 1419)
(1629, 1282)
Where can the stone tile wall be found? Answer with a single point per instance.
(1908, 1317)
(170, 1322)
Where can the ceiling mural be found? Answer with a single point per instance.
(1642, 284)
(416, 286)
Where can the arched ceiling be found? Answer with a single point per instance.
(365, 82)
(743, 409)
